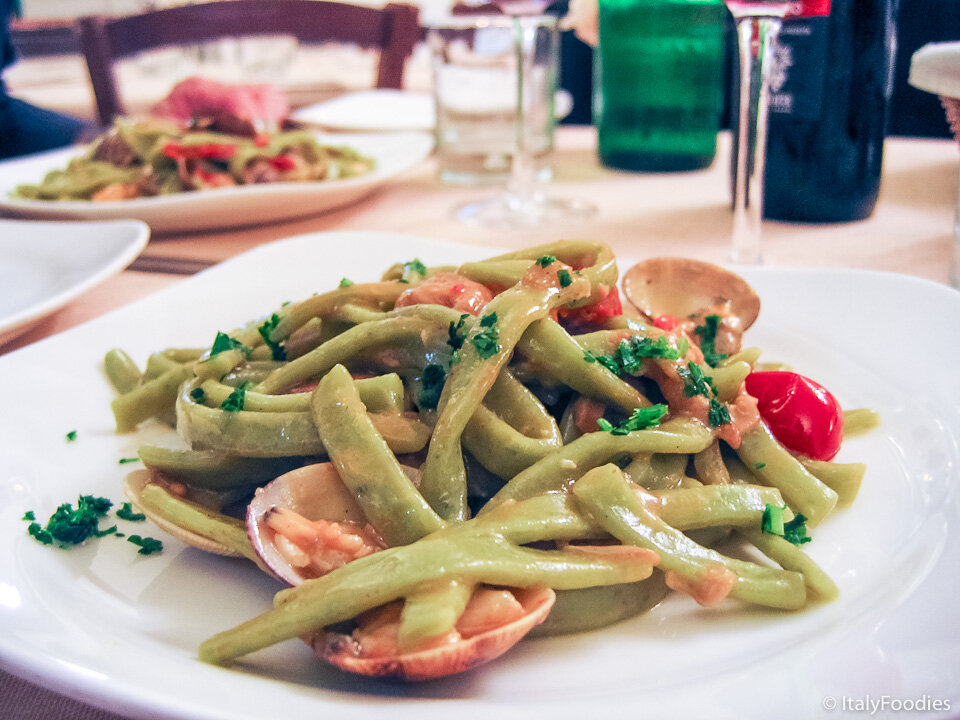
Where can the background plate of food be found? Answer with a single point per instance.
(107, 625)
(197, 180)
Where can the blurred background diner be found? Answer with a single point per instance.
(50, 71)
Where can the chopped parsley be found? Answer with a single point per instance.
(608, 361)
(126, 512)
(794, 531)
(147, 545)
(718, 414)
(277, 350)
(487, 340)
(198, 395)
(708, 338)
(224, 342)
(563, 275)
(125, 461)
(772, 520)
(629, 355)
(695, 381)
(71, 436)
(433, 379)
(546, 260)
(234, 401)
(345, 282)
(28, 515)
(415, 266)
(455, 338)
(72, 526)
(759, 466)
(640, 419)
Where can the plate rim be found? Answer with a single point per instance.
(84, 684)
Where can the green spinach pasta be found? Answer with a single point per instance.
(447, 460)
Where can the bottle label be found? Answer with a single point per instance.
(808, 8)
(799, 68)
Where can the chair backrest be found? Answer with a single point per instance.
(394, 29)
(44, 38)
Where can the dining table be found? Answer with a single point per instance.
(910, 232)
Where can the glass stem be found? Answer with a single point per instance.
(757, 37)
(523, 171)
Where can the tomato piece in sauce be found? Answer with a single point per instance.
(800, 413)
(595, 314)
(450, 290)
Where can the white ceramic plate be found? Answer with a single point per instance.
(121, 631)
(45, 265)
(389, 111)
(223, 207)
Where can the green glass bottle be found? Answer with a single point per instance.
(659, 86)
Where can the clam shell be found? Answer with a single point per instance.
(314, 491)
(682, 287)
(133, 485)
(341, 650)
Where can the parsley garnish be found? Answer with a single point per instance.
(759, 466)
(487, 340)
(455, 338)
(72, 526)
(417, 267)
(546, 260)
(772, 520)
(124, 461)
(345, 282)
(708, 337)
(695, 381)
(640, 419)
(71, 436)
(126, 512)
(718, 414)
(794, 531)
(563, 275)
(629, 355)
(147, 545)
(225, 342)
(235, 400)
(28, 515)
(433, 379)
(277, 351)
(198, 395)
(608, 361)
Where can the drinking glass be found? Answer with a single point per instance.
(758, 23)
(524, 204)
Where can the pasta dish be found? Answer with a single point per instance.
(440, 463)
(147, 158)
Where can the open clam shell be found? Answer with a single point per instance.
(133, 486)
(682, 287)
(314, 491)
(342, 650)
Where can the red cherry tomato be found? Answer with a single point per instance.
(213, 151)
(800, 413)
(596, 313)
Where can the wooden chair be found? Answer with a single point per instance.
(44, 38)
(394, 29)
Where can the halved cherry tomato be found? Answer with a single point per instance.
(212, 151)
(283, 163)
(800, 413)
(610, 306)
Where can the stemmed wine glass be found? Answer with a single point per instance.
(524, 204)
(758, 24)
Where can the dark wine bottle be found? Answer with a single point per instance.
(831, 85)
